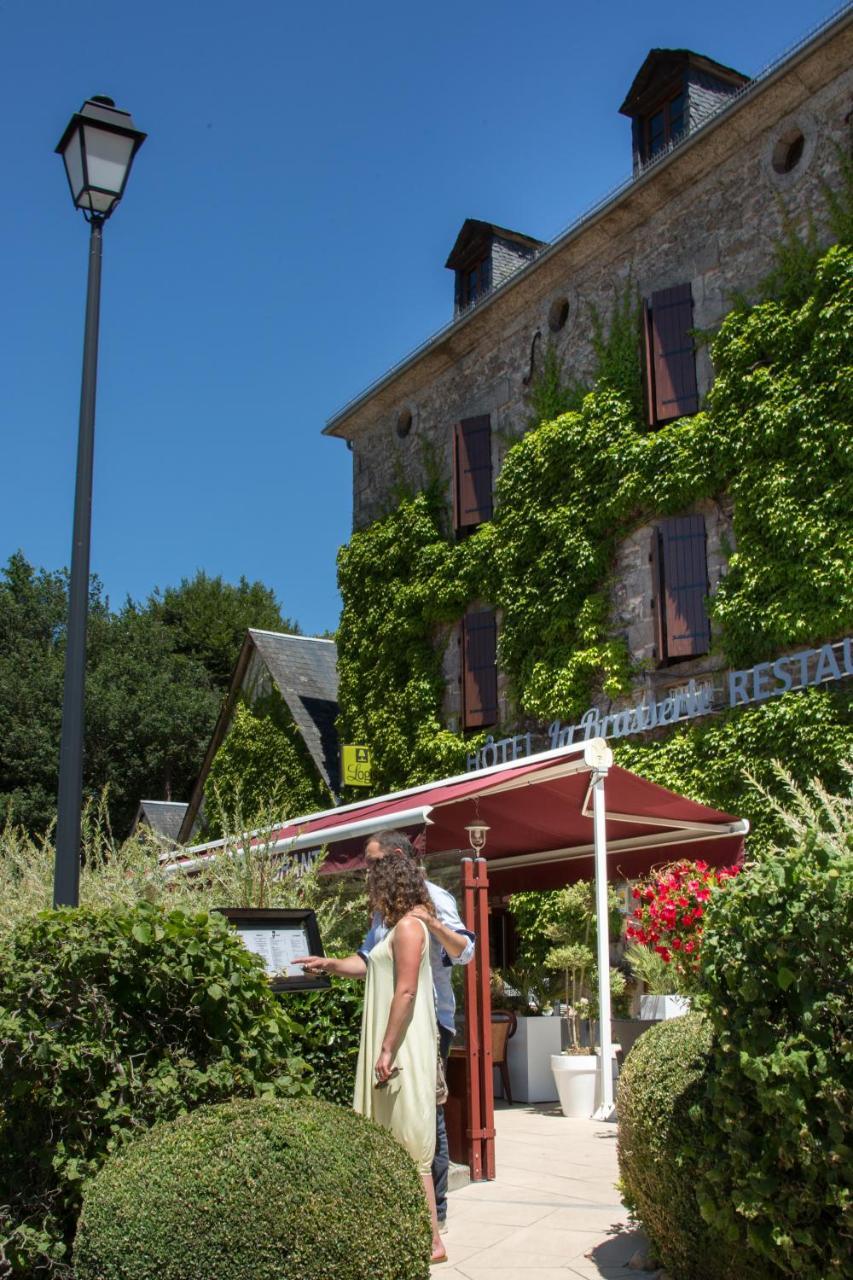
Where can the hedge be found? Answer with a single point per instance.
(110, 1021)
(257, 1190)
(660, 1105)
(776, 981)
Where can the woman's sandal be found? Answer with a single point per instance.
(438, 1257)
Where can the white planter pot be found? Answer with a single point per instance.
(659, 1008)
(575, 1077)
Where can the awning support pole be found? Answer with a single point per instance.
(482, 962)
(473, 1068)
(604, 1110)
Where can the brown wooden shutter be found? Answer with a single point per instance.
(479, 670)
(472, 472)
(681, 574)
(670, 355)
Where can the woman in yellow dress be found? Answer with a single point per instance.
(396, 1075)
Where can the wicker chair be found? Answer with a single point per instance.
(504, 1023)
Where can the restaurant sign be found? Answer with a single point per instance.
(765, 680)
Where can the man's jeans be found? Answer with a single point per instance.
(441, 1162)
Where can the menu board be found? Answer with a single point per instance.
(278, 936)
(277, 947)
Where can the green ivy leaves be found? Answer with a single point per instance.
(775, 435)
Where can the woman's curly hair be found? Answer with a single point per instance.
(394, 886)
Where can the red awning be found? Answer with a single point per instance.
(540, 822)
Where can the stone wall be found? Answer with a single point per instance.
(709, 214)
(717, 232)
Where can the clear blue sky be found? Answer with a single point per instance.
(282, 243)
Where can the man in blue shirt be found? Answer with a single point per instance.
(450, 944)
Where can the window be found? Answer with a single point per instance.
(472, 283)
(670, 356)
(479, 671)
(472, 472)
(680, 584)
(664, 125)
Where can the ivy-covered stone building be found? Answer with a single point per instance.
(625, 462)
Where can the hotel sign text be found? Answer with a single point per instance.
(755, 684)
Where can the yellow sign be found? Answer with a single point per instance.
(357, 764)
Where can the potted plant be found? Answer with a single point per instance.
(575, 1069)
(666, 930)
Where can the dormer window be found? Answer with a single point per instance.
(675, 91)
(483, 257)
(474, 282)
(665, 125)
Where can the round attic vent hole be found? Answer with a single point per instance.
(788, 151)
(404, 423)
(558, 314)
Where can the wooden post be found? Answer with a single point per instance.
(482, 961)
(473, 1042)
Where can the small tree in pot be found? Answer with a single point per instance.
(574, 957)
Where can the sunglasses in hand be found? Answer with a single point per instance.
(395, 1071)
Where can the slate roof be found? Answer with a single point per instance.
(662, 65)
(305, 672)
(164, 817)
(475, 236)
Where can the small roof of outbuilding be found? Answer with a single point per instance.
(164, 817)
(475, 238)
(304, 670)
(662, 66)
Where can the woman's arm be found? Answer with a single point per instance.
(407, 946)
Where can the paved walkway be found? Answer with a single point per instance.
(553, 1211)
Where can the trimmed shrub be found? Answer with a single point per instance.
(109, 1021)
(257, 1190)
(776, 977)
(660, 1106)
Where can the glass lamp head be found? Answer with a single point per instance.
(477, 832)
(98, 147)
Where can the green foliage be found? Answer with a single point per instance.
(155, 673)
(775, 977)
(262, 766)
(660, 1102)
(327, 1032)
(109, 1021)
(811, 732)
(550, 395)
(209, 619)
(775, 437)
(617, 349)
(400, 578)
(565, 917)
(652, 970)
(121, 874)
(262, 1190)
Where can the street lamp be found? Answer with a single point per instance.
(97, 147)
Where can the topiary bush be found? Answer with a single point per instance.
(660, 1104)
(111, 1020)
(257, 1190)
(776, 981)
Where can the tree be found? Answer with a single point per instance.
(154, 682)
(209, 619)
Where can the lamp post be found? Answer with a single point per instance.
(98, 147)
